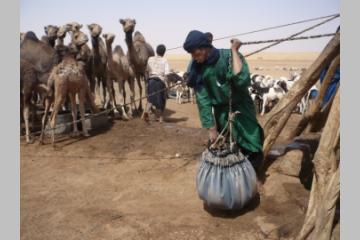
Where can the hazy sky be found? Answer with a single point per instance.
(168, 22)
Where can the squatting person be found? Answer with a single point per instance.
(157, 69)
(210, 74)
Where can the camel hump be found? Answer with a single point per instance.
(118, 50)
(139, 37)
(150, 50)
(31, 35)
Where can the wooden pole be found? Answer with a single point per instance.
(315, 107)
(320, 118)
(281, 112)
(325, 188)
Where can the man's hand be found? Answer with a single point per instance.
(236, 61)
(213, 134)
(235, 44)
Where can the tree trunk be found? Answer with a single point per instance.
(326, 183)
(282, 111)
(315, 107)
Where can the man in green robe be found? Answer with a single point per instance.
(210, 74)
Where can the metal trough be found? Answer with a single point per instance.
(64, 122)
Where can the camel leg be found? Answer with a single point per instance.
(92, 83)
(44, 119)
(138, 79)
(112, 98)
(82, 96)
(57, 105)
(111, 92)
(106, 103)
(91, 98)
(74, 114)
(98, 91)
(121, 84)
(104, 85)
(26, 110)
(33, 116)
(132, 95)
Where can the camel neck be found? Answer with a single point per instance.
(129, 39)
(109, 51)
(52, 42)
(60, 41)
(95, 42)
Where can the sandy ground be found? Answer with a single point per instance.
(126, 183)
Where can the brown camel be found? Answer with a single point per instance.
(73, 27)
(98, 60)
(42, 56)
(119, 69)
(139, 51)
(51, 35)
(61, 34)
(68, 78)
(29, 86)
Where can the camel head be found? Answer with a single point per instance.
(109, 38)
(51, 31)
(74, 26)
(80, 38)
(128, 25)
(61, 33)
(95, 30)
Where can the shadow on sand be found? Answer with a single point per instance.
(252, 205)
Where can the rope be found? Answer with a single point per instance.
(289, 39)
(103, 112)
(268, 28)
(292, 36)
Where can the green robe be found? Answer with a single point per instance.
(215, 95)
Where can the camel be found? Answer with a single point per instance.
(98, 60)
(61, 34)
(84, 54)
(51, 35)
(120, 69)
(139, 52)
(42, 56)
(73, 27)
(29, 86)
(68, 78)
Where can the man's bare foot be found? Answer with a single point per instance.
(161, 119)
(145, 117)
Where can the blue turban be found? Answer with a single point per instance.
(196, 39)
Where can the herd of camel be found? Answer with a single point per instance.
(54, 73)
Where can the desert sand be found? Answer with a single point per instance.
(137, 181)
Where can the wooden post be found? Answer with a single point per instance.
(326, 183)
(281, 112)
(319, 120)
(315, 107)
